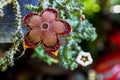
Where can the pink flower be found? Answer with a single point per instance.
(45, 28)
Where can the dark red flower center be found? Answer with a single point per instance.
(44, 25)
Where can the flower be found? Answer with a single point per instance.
(45, 28)
(84, 58)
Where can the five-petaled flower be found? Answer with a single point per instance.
(45, 28)
(84, 58)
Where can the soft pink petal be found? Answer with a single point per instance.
(49, 14)
(57, 26)
(51, 42)
(61, 27)
(32, 20)
(33, 38)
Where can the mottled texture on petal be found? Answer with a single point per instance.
(49, 14)
(57, 26)
(51, 42)
(64, 31)
(35, 21)
(50, 38)
(32, 20)
(33, 38)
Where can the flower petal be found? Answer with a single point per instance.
(32, 38)
(32, 20)
(61, 27)
(57, 26)
(49, 14)
(51, 42)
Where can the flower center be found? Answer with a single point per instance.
(44, 25)
(84, 58)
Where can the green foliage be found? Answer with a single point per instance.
(86, 31)
(42, 55)
(68, 52)
(31, 7)
(91, 7)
